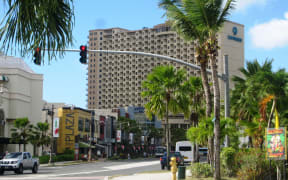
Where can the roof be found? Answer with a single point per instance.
(13, 62)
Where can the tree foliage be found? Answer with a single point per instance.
(21, 131)
(29, 24)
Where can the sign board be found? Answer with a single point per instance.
(152, 140)
(130, 138)
(118, 137)
(276, 143)
(142, 140)
(56, 127)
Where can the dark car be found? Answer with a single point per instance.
(179, 159)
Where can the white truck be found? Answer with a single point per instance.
(18, 162)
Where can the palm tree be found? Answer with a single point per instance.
(178, 13)
(34, 139)
(44, 139)
(201, 20)
(257, 91)
(193, 88)
(21, 131)
(42, 23)
(163, 87)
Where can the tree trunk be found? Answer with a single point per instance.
(211, 152)
(206, 88)
(212, 55)
(19, 147)
(34, 150)
(202, 58)
(271, 113)
(24, 147)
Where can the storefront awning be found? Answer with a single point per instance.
(85, 145)
(99, 146)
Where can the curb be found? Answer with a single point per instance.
(70, 163)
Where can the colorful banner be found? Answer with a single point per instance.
(56, 127)
(118, 137)
(276, 143)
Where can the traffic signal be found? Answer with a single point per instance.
(37, 56)
(83, 54)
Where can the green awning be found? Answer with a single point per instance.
(85, 145)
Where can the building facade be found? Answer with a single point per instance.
(76, 130)
(114, 80)
(20, 96)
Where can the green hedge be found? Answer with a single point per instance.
(61, 157)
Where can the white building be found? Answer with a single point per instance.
(20, 96)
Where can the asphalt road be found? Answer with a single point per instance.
(96, 170)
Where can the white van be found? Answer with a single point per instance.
(185, 148)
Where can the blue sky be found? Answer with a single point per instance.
(266, 36)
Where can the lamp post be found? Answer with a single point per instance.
(51, 113)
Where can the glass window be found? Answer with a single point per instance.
(81, 124)
(87, 125)
(185, 148)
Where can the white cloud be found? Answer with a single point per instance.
(271, 34)
(243, 4)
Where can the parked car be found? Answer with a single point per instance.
(18, 162)
(179, 159)
(203, 151)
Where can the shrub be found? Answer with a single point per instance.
(228, 161)
(44, 159)
(115, 157)
(201, 170)
(64, 157)
(68, 151)
(252, 165)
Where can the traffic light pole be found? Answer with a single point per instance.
(221, 76)
(224, 77)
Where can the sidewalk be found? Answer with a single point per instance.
(166, 175)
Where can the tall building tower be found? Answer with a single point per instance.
(114, 80)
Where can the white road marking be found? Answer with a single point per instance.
(109, 168)
(132, 165)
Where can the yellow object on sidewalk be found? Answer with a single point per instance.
(173, 167)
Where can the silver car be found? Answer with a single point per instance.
(18, 162)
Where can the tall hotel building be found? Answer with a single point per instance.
(114, 80)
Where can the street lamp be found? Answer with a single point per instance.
(51, 113)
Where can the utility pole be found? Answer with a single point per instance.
(52, 138)
(227, 97)
(91, 136)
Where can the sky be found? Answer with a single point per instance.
(65, 79)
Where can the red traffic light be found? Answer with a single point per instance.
(37, 49)
(83, 48)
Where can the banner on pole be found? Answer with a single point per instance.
(56, 127)
(118, 137)
(276, 143)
